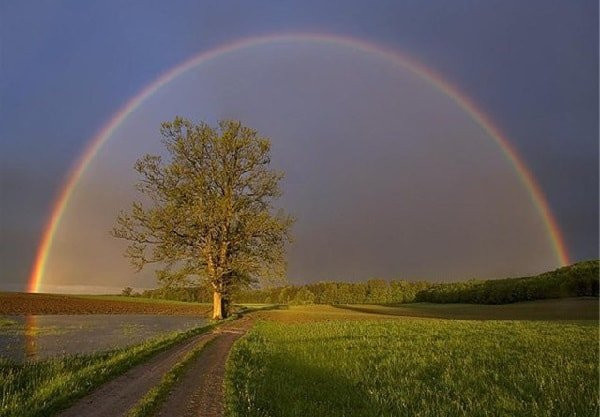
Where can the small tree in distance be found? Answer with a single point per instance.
(210, 214)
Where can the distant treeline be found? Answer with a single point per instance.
(577, 280)
(374, 291)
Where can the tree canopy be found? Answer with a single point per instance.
(208, 211)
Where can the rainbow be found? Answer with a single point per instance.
(427, 74)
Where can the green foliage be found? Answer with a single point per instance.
(303, 296)
(414, 367)
(580, 279)
(127, 291)
(370, 292)
(208, 212)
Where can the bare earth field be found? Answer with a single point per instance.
(24, 303)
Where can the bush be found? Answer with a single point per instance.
(304, 296)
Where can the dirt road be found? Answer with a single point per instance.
(200, 390)
(198, 393)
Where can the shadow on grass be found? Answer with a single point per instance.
(286, 386)
(581, 308)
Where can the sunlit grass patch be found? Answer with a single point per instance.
(311, 313)
(415, 367)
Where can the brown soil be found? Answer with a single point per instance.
(200, 391)
(24, 303)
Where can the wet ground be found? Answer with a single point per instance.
(44, 336)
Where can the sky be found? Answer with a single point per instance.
(386, 175)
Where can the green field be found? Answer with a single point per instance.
(136, 299)
(580, 308)
(332, 362)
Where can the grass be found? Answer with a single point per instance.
(256, 306)
(580, 308)
(148, 405)
(6, 323)
(314, 361)
(41, 388)
(137, 299)
(315, 313)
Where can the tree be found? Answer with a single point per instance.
(127, 291)
(285, 295)
(208, 213)
(303, 296)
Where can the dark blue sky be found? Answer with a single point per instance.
(66, 67)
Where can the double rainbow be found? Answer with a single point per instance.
(62, 200)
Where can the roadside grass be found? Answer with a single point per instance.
(580, 308)
(40, 388)
(412, 367)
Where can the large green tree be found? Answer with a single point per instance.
(207, 212)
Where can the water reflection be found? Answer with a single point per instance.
(29, 336)
(43, 336)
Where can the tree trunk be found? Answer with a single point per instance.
(219, 306)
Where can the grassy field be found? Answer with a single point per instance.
(126, 299)
(40, 388)
(321, 360)
(580, 308)
(24, 303)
